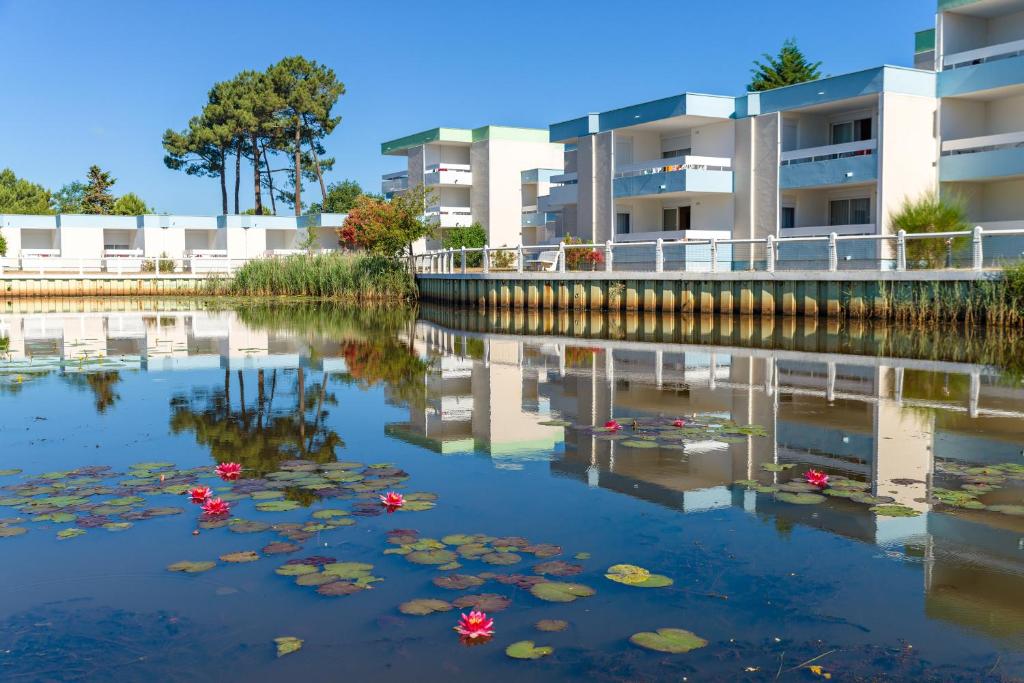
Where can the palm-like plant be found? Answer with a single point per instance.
(932, 213)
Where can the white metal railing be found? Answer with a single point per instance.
(852, 229)
(133, 266)
(394, 182)
(671, 164)
(448, 174)
(827, 152)
(753, 254)
(983, 54)
(983, 143)
(450, 216)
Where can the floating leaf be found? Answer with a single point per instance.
(551, 625)
(12, 531)
(416, 506)
(671, 640)
(554, 591)
(125, 500)
(244, 526)
(543, 550)
(485, 602)
(431, 556)
(58, 517)
(628, 574)
(1015, 510)
(287, 645)
(558, 568)
(330, 514)
(501, 559)
(654, 581)
(69, 533)
(296, 569)
(240, 557)
(800, 498)
(8, 473)
(280, 547)
(424, 606)
(314, 579)
(581, 556)
(117, 526)
(277, 506)
(895, 511)
(457, 582)
(267, 495)
(525, 649)
(464, 539)
(348, 570)
(191, 567)
(339, 588)
(451, 566)
(777, 466)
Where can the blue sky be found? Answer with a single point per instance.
(98, 82)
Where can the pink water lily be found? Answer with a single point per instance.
(200, 494)
(215, 507)
(679, 423)
(392, 500)
(613, 425)
(475, 625)
(229, 471)
(816, 478)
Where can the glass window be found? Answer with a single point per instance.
(849, 211)
(860, 211)
(672, 153)
(684, 218)
(839, 212)
(851, 131)
(788, 218)
(668, 219)
(621, 223)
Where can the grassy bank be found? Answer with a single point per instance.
(998, 302)
(337, 276)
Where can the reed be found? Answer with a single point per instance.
(349, 277)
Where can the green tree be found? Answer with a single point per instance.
(932, 212)
(472, 237)
(388, 227)
(97, 198)
(308, 91)
(3, 248)
(254, 108)
(68, 199)
(18, 195)
(789, 67)
(201, 150)
(130, 204)
(341, 197)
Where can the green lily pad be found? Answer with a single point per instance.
(1015, 510)
(670, 640)
(777, 466)
(348, 570)
(339, 588)
(267, 495)
(462, 539)
(551, 625)
(286, 645)
(295, 569)
(244, 526)
(65, 534)
(458, 582)
(424, 606)
(800, 498)
(330, 514)
(526, 649)
(654, 581)
(125, 501)
(556, 591)
(451, 566)
(628, 574)
(894, 511)
(417, 506)
(117, 526)
(9, 473)
(484, 602)
(12, 531)
(280, 547)
(501, 559)
(58, 517)
(431, 556)
(581, 556)
(277, 506)
(191, 567)
(314, 579)
(240, 557)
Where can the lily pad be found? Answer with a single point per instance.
(8, 473)
(670, 640)
(117, 526)
(501, 559)
(526, 649)
(431, 556)
(240, 557)
(339, 588)
(777, 466)
(556, 591)
(296, 569)
(330, 514)
(267, 495)
(558, 568)
(191, 567)
(485, 602)
(894, 511)
(348, 570)
(800, 498)
(628, 574)
(581, 556)
(69, 533)
(424, 606)
(58, 517)
(12, 531)
(654, 581)
(277, 506)
(458, 582)
(125, 501)
(417, 506)
(244, 526)
(280, 547)
(1015, 510)
(314, 579)
(286, 645)
(551, 625)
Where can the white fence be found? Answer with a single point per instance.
(830, 253)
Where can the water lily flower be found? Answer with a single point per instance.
(679, 423)
(475, 625)
(229, 471)
(392, 500)
(200, 494)
(215, 507)
(613, 425)
(816, 478)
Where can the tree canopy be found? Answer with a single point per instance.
(341, 197)
(387, 227)
(130, 204)
(789, 67)
(18, 195)
(97, 197)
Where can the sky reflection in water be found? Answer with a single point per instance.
(459, 401)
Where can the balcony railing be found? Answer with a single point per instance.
(394, 182)
(683, 163)
(983, 54)
(828, 152)
(451, 216)
(984, 143)
(533, 217)
(448, 174)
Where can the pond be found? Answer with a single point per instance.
(629, 498)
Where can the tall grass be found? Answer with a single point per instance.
(998, 301)
(347, 277)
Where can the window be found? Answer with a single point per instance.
(851, 131)
(849, 211)
(684, 218)
(676, 218)
(622, 224)
(788, 217)
(668, 219)
(672, 153)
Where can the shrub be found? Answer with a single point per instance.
(931, 213)
(3, 245)
(473, 237)
(166, 264)
(503, 260)
(581, 259)
(355, 277)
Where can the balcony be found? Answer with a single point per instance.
(390, 183)
(450, 216)
(532, 217)
(988, 156)
(565, 192)
(448, 175)
(986, 68)
(850, 162)
(675, 174)
(822, 230)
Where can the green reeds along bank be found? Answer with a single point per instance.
(353, 277)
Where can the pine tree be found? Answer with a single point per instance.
(97, 198)
(789, 67)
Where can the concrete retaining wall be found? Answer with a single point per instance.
(55, 286)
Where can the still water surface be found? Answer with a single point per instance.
(495, 416)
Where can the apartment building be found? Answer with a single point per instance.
(489, 175)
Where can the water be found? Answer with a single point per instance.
(459, 401)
